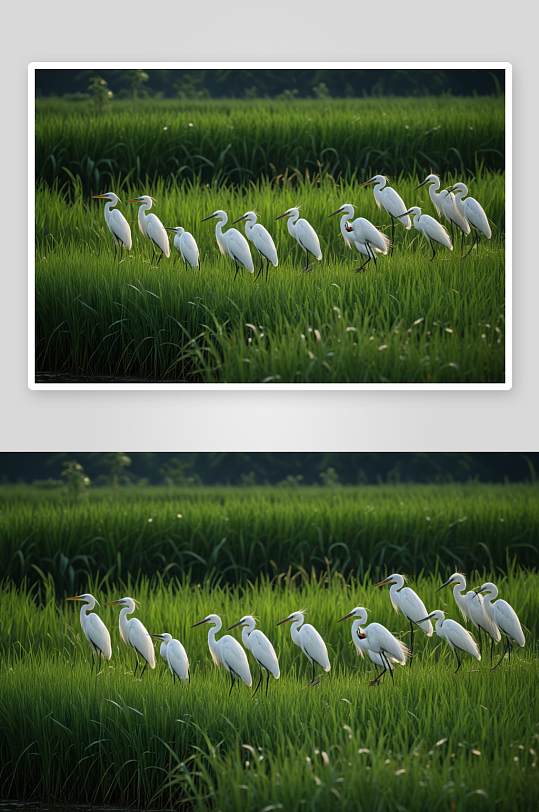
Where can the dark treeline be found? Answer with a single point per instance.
(223, 468)
(271, 83)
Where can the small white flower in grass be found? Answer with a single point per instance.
(399, 772)
(179, 516)
(382, 347)
(427, 518)
(363, 750)
(502, 520)
(150, 520)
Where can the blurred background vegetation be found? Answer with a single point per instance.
(265, 83)
(192, 469)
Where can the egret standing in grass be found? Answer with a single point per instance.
(134, 634)
(386, 197)
(232, 242)
(261, 239)
(445, 204)
(186, 245)
(116, 222)
(473, 212)
(227, 651)
(309, 641)
(365, 237)
(260, 647)
(432, 230)
(94, 629)
(472, 606)
(505, 618)
(151, 226)
(304, 233)
(410, 604)
(454, 634)
(381, 646)
(175, 655)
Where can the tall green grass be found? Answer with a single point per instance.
(233, 535)
(408, 320)
(430, 741)
(236, 142)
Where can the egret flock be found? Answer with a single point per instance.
(461, 212)
(494, 617)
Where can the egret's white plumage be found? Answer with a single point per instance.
(382, 647)
(116, 222)
(227, 651)
(410, 604)
(261, 239)
(232, 242)
(362, 234)
(432, 230)
(186, 245)
(386, 197)
(260, 647)
(309, 641)
(444, 203)
(472, 606)
(472, 211)
(151, 226)
(93, 627)
(175, 655)
(134, 634)
(455, 635)
(304, 233)
(504, 616)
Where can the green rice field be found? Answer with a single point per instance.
(433, 739)
(406, 320)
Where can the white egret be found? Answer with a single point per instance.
(309, 641)
(260, 647)
(505, 618)
(410, 604)
(472, 606)
(232, 242)
(388, 198)
(382, 647)
(175, 655)
(261, 239)
(365, 237)
(227, 651)
(94, 629)
(473, 212)
(134, 634)
(444, 203)
(116, 222)
(432, 230)
(304, 233)
(455, 635)
(151, 226)
(186, 245)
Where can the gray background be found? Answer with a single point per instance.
(272, 419)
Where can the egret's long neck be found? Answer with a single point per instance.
(245, 631)
(123, 624)
(294, 630)
(458, 591)
(346, 234)
(292, 226)
(438, 626)
(142, 216)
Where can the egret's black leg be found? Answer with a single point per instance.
(144, 669)
(267, 682)
(135, 674)
(237, 269)
(260, 681)
(267, 271)
(381, 674)
(232, 685)
(384, 656)
(364, 265)
(433, 251)
(159, 260)
(501, 658)
(473, 243)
